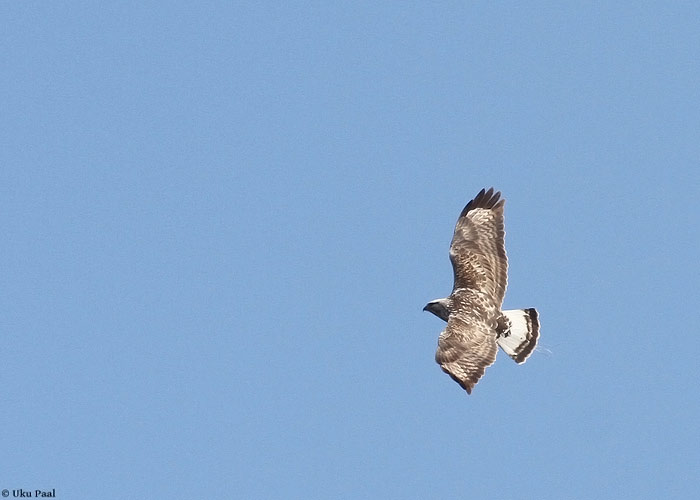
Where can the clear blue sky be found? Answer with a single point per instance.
(222, 220)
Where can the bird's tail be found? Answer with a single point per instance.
(520, 339)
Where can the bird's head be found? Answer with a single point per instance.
(439, 308)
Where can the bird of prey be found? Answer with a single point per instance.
(475, 322)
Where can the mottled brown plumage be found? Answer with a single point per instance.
(475, 322)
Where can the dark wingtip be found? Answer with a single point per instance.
(467, 385)
(485, 199)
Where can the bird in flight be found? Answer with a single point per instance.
(475, 322)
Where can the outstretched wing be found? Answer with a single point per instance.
(478, 251)
(465, 351)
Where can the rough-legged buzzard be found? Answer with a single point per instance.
(475, 322)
